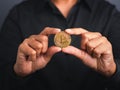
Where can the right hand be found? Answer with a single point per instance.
(34, 54)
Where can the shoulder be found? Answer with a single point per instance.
(103, 8)
(100, 5)
(28, 5)
(103, 4)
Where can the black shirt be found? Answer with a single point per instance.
(64, 72)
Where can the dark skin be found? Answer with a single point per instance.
(96, 51)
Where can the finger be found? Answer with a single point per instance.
(44, 40)
(48, 31)
(87, 37)
(76, 31)
(26, 52)
(93, 43)
(104, 50)
(41, 44)
(51, 51)
(34, 44)
(82, 55)
(37, 47)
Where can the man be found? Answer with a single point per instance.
(30, 60)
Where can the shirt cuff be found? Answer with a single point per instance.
(114, 81)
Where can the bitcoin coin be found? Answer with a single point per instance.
(62, 39)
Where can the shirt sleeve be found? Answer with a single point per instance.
(10, 38)
(114, 37)
(114, 81)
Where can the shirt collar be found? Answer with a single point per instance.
(89, 3)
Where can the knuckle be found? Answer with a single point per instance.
(84, 35)
(39, 46)
(89, 44)
(44, 38)
(98, 34)
(21, 45)
(104, 38)
(110, 45)
(33, 53)
(96, 51)
(26, 40)
(46, 28)
(108, 52)
(109, 48)
(32, 36)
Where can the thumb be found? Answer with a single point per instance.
(82, 55)
(51, 51)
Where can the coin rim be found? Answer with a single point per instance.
(63, 45)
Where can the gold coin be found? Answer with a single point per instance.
(62, 39)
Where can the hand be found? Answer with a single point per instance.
(34, 54)
(96, 51)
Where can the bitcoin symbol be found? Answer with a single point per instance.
(62, 39)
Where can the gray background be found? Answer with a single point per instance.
(6, 5)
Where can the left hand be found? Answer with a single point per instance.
(96, 51)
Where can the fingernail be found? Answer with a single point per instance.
(59, 49)
(68, 30)
(58, 30)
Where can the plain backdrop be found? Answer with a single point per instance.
(6, 5)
